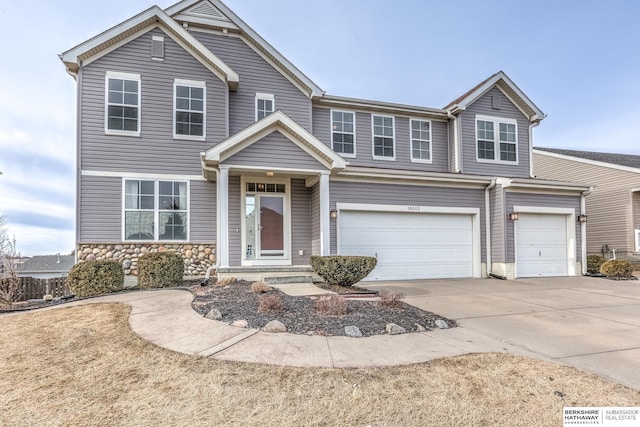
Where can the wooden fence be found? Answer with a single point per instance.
(33, 288)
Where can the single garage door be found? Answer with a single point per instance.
(541, 245)
(409, 245)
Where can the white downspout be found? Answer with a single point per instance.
(456, 157)
(205, 281)
(531, 126)
(487, 225)
(583, 230)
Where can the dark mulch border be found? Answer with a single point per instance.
(236, 302)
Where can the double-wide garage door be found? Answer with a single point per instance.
(409, 245)
(541, 245)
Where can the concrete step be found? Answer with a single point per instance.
(281, 280)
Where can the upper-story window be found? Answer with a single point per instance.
(383, 138)
(155, 210)
(265, 105)
(122, 103)
(496, 139)
(343, 133)
(189, 116)
(420, 141)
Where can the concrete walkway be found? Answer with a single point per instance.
(590, 323)
(165, 318)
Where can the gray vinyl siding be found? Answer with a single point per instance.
(315, 220)
(202, 211)
(539, 200)
(275, 150)
(608, 207)
(300, 222)
(410, 195)
(100, 204)
(235, 221)
(155, 150)
(483, 106)
(498, 218)
(636, 210)
(256, 75)
(402, 134)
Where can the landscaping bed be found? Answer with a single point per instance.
(235, 302)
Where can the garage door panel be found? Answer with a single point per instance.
(541, 245)
(409, 245)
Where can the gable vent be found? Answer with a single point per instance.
(495, 102)
(205, 8)
(157, 47)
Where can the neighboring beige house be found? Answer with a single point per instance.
(613, 208)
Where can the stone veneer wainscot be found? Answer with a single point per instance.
(197, 256)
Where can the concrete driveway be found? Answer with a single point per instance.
(590, 323)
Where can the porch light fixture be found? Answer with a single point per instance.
(582, 218)
(513, 216)
(270, 173)
(333, 214)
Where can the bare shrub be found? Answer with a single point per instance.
(331, 305)
(390, 299)
(226, 281)
(269, 303)
(10, 288)
(260, 287)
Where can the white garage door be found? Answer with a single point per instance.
(409, 245)
(541, 245)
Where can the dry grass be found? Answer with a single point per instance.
(227, 281)
(83, 366)
(260, 287)
(268, 303)
(331, 305)
(390, 299)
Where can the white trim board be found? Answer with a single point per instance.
(142, 175)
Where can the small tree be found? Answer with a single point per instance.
(10, 289)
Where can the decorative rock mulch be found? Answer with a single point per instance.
(236, 303)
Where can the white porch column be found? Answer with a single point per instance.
(222, 186)
(325, 223)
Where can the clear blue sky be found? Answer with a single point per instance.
(577, 60)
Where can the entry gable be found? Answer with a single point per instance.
(277, 121)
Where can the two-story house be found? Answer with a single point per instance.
(196, 135)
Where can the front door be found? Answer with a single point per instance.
(265, 227)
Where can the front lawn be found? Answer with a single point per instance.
(84, 366)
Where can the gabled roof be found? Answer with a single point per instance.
(215, 13)
(47, 264)
(508, 87)
(101, 43)
(626, 160)
(277, 121)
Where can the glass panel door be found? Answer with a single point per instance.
(271, 226)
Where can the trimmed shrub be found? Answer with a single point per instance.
(160, 270)
(617, 269)
(343, 270)
(269, 303)
(390, 299)
(331, 305)
(594, 262)
(96, 278)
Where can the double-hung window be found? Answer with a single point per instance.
(265, 105)
(190, 102)
(383, 138)
(122, 109)
(343, 132)
(155, 210)
(497, 139)
(420, 141)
